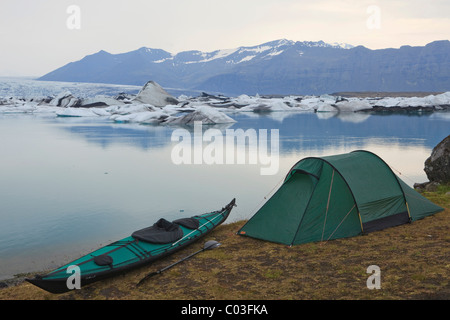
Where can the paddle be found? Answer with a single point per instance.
(211, 244)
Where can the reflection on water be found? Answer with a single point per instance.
(68, 185)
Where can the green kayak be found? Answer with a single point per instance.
(141, 248)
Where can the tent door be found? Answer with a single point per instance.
(386, 222)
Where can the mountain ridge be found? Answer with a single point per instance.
(276, 67)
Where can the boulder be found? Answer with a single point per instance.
(437, 166)
(152, 93)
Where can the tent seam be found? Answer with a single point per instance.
(346, 183)
(304, 213)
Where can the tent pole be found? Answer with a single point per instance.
(409, 213)
(360, 221)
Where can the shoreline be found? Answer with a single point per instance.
(411, 256)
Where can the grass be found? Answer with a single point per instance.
(413, 259)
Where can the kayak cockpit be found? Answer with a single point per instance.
(164, 231)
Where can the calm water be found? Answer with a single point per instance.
(69, 185)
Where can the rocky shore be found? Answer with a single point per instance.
(437, 167)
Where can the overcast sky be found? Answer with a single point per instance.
(38, 36)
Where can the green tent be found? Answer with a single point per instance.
(334, 197)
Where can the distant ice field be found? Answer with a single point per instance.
(29, 88)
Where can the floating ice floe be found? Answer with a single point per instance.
(145, 117)
(130, 108)
(267, 106)
(82, 112)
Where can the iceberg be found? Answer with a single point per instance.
(99, 101)
(311, 103)
(353, 105)
(65, 100)
(205, 114)
(152, 93)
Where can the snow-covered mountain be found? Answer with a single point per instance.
(276, 67)
(241, 54)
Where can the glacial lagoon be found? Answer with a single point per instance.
(70, 185)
